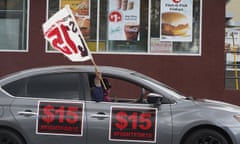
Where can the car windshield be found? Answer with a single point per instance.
(162, 86)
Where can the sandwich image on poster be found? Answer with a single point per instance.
(176, 20)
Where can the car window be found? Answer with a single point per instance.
(122, 91)
(56, 86)
(15, 88)
(53, 86)
(125, 91)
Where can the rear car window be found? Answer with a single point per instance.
(54, 86)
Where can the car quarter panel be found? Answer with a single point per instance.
(188, 115)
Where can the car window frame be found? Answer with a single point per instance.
(24, 81)
(165, 99)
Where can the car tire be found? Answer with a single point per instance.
(10, 137)
(205, 136)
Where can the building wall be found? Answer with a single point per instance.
(197, 76)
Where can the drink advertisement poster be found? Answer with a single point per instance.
(124, 20)
(81, 11)
(176, 20)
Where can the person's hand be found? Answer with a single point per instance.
(98, 75)
(98, 78)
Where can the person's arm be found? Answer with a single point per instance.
(97, 91)
(98, 79)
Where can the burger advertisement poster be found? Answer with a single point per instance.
(81, 11)
(124, 20)
(176, 20)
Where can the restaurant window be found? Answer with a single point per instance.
(232, 45)
(13, 21)
(136, 26)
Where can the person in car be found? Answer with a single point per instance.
(106, 90)
(101, 89)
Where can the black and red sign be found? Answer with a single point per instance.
(133, 124)
(60, 118)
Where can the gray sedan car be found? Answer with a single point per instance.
(55, 105)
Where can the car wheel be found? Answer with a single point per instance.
(205, 136)
(9, 137)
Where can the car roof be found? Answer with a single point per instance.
(123, 73)
(66, 68)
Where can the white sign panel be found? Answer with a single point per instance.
(176, 20)
(124, 20)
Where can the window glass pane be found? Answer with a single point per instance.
(123, 26)
(11, 4)
(232, 46)
(133, 26)
(13, 21)
(171, 41)
(57, 86)
(116, 90)
(53, 7)
(9, 33)
(15, 88)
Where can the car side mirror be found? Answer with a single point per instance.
(155, 99)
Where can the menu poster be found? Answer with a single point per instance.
(81, 11)
(124, 20)
(176, 20)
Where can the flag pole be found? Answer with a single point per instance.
(96, 69)
(85, 45)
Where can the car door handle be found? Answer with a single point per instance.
(100, 115)
(27, 113)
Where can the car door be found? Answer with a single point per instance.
(49, 111)
(115, 123)
(125, 120)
